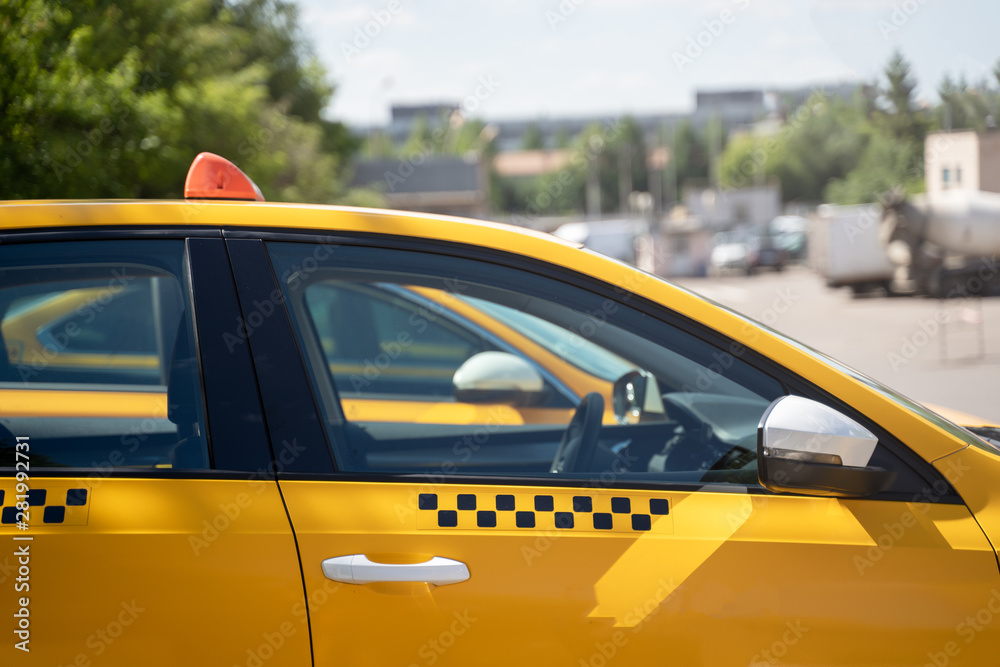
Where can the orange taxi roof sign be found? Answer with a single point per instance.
(212, 176)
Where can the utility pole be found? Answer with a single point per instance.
(714, 148)
(672, 176)
(624, 176)
(594, 189)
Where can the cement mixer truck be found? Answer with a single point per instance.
(945, 245)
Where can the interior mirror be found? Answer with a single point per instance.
(636, 398)
(807, 447)
(497, 377)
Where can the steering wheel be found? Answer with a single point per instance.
(699, 449)
(576, 450)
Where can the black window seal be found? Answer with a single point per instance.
(196, 339)
(107, 233)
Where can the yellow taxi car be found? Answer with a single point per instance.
(263, 488)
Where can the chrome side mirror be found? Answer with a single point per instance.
(636, 398)
(807, 447)
(497, 377)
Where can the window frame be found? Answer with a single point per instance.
(791, 382)
(242, 419)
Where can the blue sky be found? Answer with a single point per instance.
(548, 58)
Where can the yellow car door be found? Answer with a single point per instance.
(140, 519)
(646, 541)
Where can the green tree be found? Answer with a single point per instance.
(532, 139)
(898, 97)
(689, 153)
(887, 165)
(603, 150)
(421, 138)
(631, 147)
(821, 141)
(841, 152)
(965, 107)
(893, 157)
(562, 138)
(116, 97)
(472, 136)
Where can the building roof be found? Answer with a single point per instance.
(435, 173)
(530, 163)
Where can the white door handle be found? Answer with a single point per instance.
(357, 569)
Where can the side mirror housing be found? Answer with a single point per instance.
(497, 377)
(807, 447)
(636, 398)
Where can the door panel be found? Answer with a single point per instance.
(152, 572)
(653, 544)
(722, 578)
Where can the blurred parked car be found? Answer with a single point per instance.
(746, 252)
(791, 233)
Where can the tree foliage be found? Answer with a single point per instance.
(887, 165)
(532, 140)
(597, 156)
(689, 152)
(965, 106)
(838, 151)
(822, 141)
(893, 157)
(114, 98)
(901, 115)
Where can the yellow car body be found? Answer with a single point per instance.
(224, 567)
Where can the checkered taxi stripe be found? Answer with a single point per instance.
(544, 511)
(54, 505)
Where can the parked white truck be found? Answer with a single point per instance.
(846, 249)
(945, 245)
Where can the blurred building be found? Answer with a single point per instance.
(962, 161)
(733, 107)
(722, 209)
(530, 164)
(404, 116)
(441, 184)
(456, 185)
(683, 246)
(787, 100)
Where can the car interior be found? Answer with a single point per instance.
(683, 433)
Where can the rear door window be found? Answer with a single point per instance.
(100, 368)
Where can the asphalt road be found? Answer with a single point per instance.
(927, 349)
